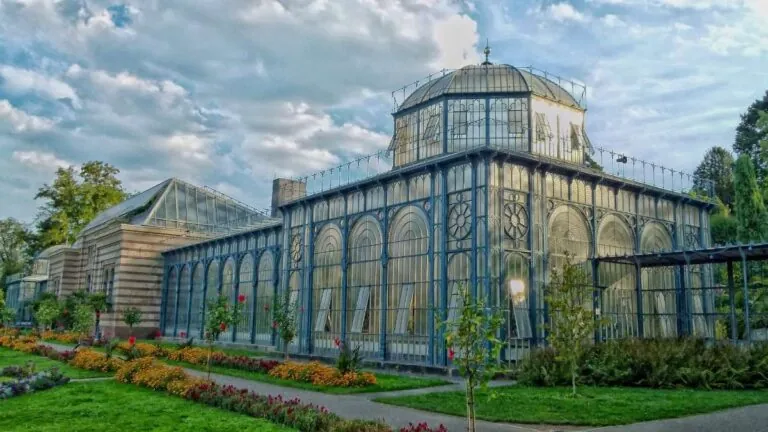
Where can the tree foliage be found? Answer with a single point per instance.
(73, 200)
(748, 204)
(47, 312)
(749, 136)
(13, 248)
(220, 316)
(131, 318)
(474, 345)
(572, 321)
(285, 321)
(717, 167)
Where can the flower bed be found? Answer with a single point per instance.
(94, 361)
(199, 356)
(35, 382)
(63, 337)
(144, 349)
(320, 374)
(146, 372)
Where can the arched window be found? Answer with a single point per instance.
(363, 282)
(196, 303)
(212, 287)
(619, 299)
(265, 296)
(408, 283)
(181, 322)
(245, 288)
(659, 302)
(326, 287)
(228, 290)
(170, 301)
(568, 232)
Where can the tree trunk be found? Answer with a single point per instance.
(285, 348)
(208, 363)
(470, 406)
(573, 378)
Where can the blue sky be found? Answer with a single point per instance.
(230, 94)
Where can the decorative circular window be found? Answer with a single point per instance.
(515, 221)
(458, 220)
(296, 248)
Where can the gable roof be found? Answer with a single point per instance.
(174, 203)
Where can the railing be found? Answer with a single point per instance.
(611, 162)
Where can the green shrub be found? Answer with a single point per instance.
(654, 363)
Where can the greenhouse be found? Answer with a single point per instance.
(490, 178)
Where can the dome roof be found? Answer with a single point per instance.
(491, 78)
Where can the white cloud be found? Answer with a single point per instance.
(44, 161)
(21, 81)
(566, 12)
(613, 21)
(21, 121)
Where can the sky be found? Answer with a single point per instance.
(230, 94)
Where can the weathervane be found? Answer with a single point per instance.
(487, 52)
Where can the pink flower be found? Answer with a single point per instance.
(222, 326)
(241, 298)
(132, 340)
(274, 324)
(183, 334)
(337, 342)
(451, 354)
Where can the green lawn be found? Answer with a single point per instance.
(108, 406)
(595, 407)
(384, 382)
(9, 357)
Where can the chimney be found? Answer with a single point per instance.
(286, 190)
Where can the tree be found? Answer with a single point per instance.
(82, 320)
(6, 314)
(572, 322)
(285, 322)
(749, 136)
(131, 317)
(99, 304)
(716, 167)
(749, 206)
(220, 316)
(474, 336)
(13, 247)
(73, 200)
(47, 312)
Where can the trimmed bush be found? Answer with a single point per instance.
(651, 363)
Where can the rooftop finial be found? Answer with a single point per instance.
(487, 52)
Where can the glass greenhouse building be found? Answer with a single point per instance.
(490, 179)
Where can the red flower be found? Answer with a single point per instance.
(183, 334)
(274, 324)
(241, 298)
(132, 340)
(222, 326)
(451, 354)
(337, 342)
(157, 333)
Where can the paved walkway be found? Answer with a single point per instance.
(361, 406)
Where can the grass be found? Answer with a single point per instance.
(594, 407)
(384, 382)
(9, 357)
(109, 406)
